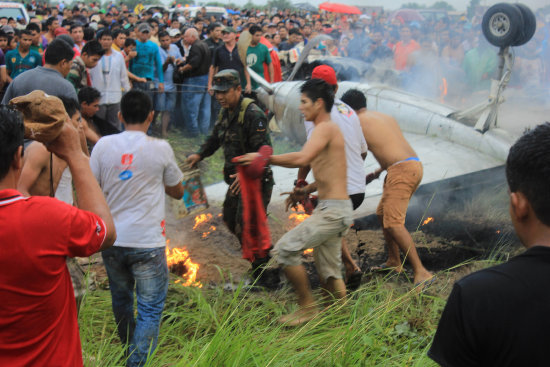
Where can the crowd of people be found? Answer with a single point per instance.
(444, 58)
(120, 76)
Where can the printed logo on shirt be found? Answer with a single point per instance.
(343, 109)
(97, 228)
(31, 59)
(13, 60)
(251, 59)
(126, 160)
(125, 175)
(163, 226)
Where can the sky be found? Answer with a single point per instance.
(395, 4)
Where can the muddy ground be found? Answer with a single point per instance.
(218, 252)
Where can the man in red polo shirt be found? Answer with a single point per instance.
(404, 48)
(38, 324)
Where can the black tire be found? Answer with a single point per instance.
(501, 24)
(529, 25)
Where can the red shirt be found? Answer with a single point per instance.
(38, 324)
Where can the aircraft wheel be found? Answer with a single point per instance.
(502, 24)
(529, 25)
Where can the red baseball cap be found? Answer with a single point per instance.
(326, 73)
(60, 30)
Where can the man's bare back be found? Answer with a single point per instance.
(384, 138)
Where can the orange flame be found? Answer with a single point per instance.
(298, 216)
(429, 220)
(181, 255)
(202, 218)
(444, 88)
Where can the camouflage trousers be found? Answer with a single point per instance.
(78, 279)
(233, 206)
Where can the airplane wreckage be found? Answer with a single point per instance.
(461, 151)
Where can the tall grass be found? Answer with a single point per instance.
(382, 324)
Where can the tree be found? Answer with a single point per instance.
(280, 4)
(442, 5)
(471, 10)
(413, 6)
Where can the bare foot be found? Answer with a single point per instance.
(350, 270)
(422, 277)
(299, 317)
(388, 266)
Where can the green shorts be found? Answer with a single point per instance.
(322, 232)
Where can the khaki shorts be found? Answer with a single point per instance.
(323, 232)
(400, 184)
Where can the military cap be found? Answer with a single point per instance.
(229, 30)
(226, 79)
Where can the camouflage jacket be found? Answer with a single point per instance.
(77, 75)
(235, 138)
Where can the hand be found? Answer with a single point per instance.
(372, 176)
(132, 54)
(236, 185)
(248, 88)
(161, 87)
(210, 90)
(142, 80)
(67, 144)
(171, 59)
(193, 159)
(245, 160)
(294, 197)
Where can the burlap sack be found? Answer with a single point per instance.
(43, 115)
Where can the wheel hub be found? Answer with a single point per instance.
(499, 24)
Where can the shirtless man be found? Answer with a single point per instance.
(388, 145)
(46, 174)
(324, 229)
(39, 163)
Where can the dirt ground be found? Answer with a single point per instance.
(217, 251)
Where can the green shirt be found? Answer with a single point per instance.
(15, 64)
(255, 58)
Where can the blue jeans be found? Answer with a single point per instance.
(195, 104)
(145, 268)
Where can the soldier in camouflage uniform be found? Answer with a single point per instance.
(241, 128)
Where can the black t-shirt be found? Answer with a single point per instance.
(224, 59)
(498, 316)
(199, 59)
(213, 45)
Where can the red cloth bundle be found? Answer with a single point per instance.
(256, 238)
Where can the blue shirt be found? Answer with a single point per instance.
(16, 64)
(168, 73)
(146, 61)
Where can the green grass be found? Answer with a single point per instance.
(383, 324)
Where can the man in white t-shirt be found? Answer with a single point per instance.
(134, 172)
(110, 77)
(356, 151)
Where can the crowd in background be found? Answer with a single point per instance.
(442, 58)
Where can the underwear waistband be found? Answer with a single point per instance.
(408, 159)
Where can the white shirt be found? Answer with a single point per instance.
(110, 77)
(346, 118)
(132, 170)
